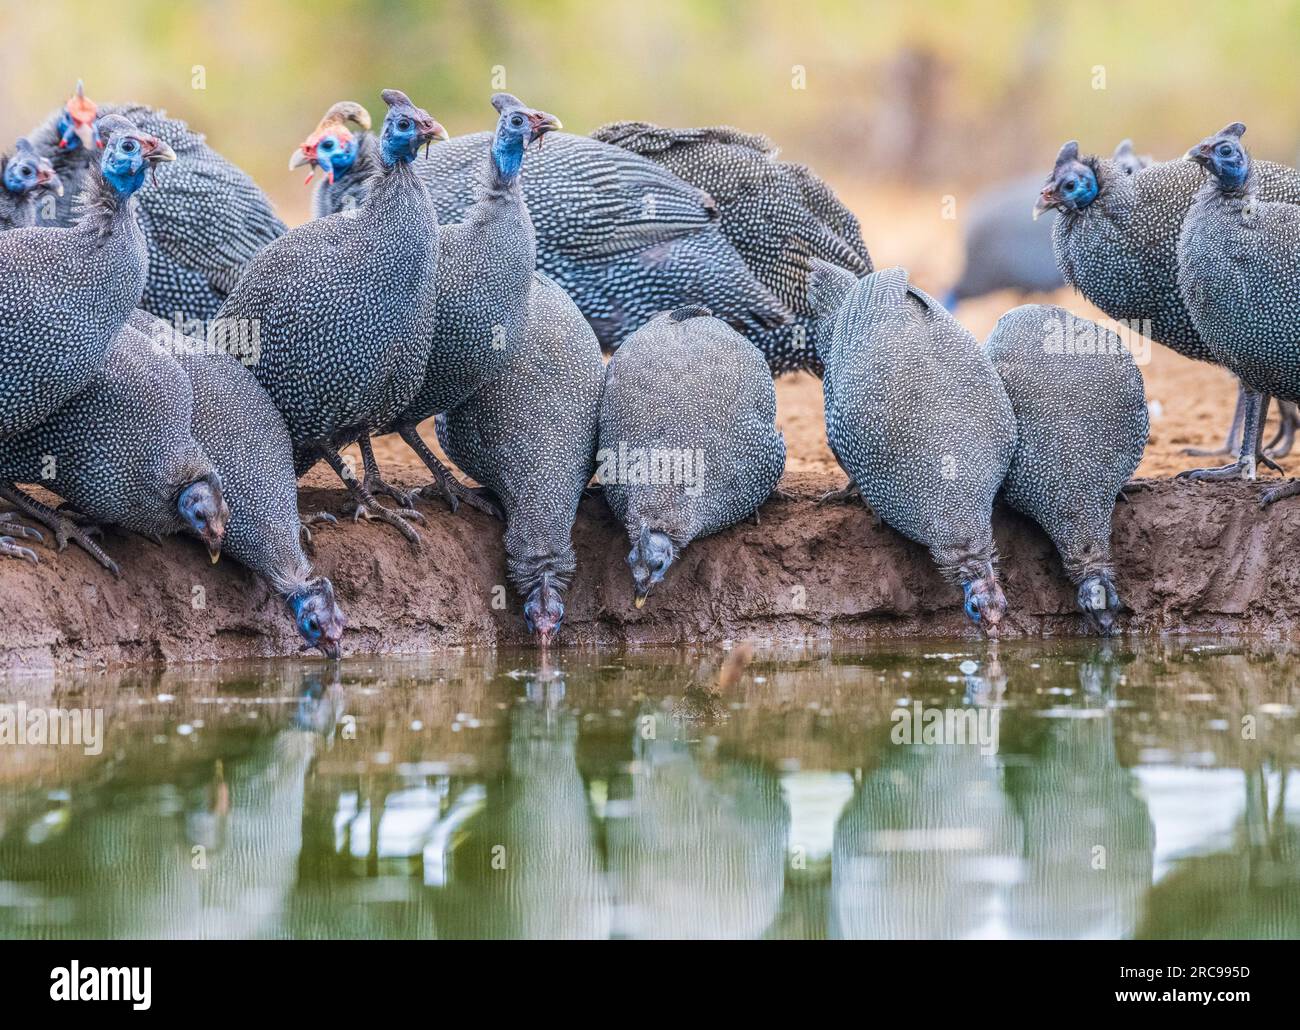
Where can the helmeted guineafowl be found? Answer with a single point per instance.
(122, 452)
(345, 307)
(529, 436)
(1005, 248)
(203, 218)
(1239, 273)
(65, 293)
(244, 436)
(25, 179)
(485, 274)
(775, 213)
(1081, 417)
(624, 237)
(917, 417)
(1116, 242)
(688, 436)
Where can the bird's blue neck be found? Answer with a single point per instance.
(508, 156)
(1233, 177)
(125, 183)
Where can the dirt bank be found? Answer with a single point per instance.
(1191, 559)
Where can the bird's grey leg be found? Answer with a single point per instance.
(61, 525)
(445, 484)
(9, 528)
(1233, 442)
(374, 483)
(1280, 445)
(1251, 454)
(366, 505)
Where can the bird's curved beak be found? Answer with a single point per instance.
(86, 133)
(1047, 200)
(639, 601)
(302, 155)
(156, 151)
(331, 649)
(49, 178)
(1201, 153)
(539, 124)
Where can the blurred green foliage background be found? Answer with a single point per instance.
(929, 93)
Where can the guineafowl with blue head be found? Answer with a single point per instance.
(1081, 419)
(345, 307)
(122, 452)
(917, 417)
(775, 213)
(485, 275)
(1239, 273)
(529, 436)
(1116, 242)
(688, 437)
(203, 219)
(1005, 248)
(623, 236)
(245, 438)
(26, 179)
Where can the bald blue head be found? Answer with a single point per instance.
(1223, 156)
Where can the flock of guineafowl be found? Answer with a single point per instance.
(173, 358)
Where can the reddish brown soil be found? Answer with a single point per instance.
(1191, 558)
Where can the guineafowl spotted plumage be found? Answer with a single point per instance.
(65, 293)
(776, 215)
(1239, 273)
(624, 237)
(203, 218)
(122, 452)
(1081, 418)
(26, 179)
(244, 436)
(688, 436)
(344, 307)
(1116, 239)
(1006, 248)
(529, 436)
(917, 417)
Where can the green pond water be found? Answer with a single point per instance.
(929, 790)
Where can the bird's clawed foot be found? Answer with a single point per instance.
(1277, 493)
(843, 495)
(1225, 473)
(10, 547)
(305, 522)
(450, 489)
(399, 518)
(66, 525)
(405, 499)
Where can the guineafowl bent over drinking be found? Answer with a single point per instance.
(529, 436)
(1081, 417)
(688, 436)
(917, 417)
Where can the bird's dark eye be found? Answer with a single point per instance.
(129, 146)
(327, 144)
(1225, 149)
(516, 121)
(313, 624)
(1070, 184)
(404, 125)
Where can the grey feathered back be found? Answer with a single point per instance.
(244, 436)
(687, 384)
(1081, 416)
(64, 296)
(530, 434)
(916, 415)
(622, 236)
(121, 451)
(204, 219)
